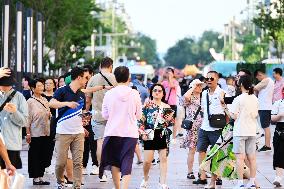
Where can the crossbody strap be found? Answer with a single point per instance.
(110, 84)
(207, 99)
(41, 103)
(169, 95)
(197, 112)
(9, 98)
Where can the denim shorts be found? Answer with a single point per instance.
(206, 138)
(244, 145)
(265, 118)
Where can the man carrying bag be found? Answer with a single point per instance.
(213, 122)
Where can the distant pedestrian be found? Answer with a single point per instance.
(264, 90)
(278, 84)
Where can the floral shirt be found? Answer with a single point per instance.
(150, 114)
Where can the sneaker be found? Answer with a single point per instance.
(277, 181)
(84, 171)
(103, 179)
(251, 187)
(139, 162)
(239, 187)
(95, 170)
(163, 186)
(265, 149)
(199, 181)
(190, 176)
(219, 182)
(60, 186)
(144, 184)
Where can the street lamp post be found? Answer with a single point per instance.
(5, 34)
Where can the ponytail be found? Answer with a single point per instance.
(251, 91)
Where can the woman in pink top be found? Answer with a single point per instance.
(171, 86)
(121, 108)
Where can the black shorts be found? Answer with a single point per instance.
(15, 159)
(265, 118)
(174, 108)
(158, 143)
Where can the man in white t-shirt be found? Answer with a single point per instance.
(264, 89)
(208, 135)
(278, 84)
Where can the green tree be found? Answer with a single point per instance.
(271, 19)
(190, 51)
(144, 47)
(253, 48)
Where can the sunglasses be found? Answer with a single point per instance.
(157, 91)
(209, 79)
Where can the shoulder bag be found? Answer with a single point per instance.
(217, 121)
(187, 124)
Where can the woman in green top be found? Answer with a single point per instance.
(157, 116)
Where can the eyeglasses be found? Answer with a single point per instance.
(209, 79)
(157, 91)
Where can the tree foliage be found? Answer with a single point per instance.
(190, 51)
(271, 19)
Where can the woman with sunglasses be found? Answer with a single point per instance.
(191, 100)
(278, 139)
(157, 116)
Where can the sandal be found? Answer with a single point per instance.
(190, 176)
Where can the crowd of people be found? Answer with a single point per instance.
(110, 116)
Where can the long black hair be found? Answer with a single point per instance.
(163, 89)
(246, 82)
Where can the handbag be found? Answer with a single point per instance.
(217, 121)
(18, 182)
(187, 124)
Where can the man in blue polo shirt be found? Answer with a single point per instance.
(70, 102)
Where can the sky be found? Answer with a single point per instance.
(168, 21)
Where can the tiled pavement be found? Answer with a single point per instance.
(176, 174)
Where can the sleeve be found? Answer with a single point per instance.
(20, 117)
(30, 118)
(90, 84)
(275, 108)
(235, 108)
(105, 113)
(138, 105)
(142, 121)
(261, 84)
(58, 94)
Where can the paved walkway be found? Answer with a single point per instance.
(176, 173)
